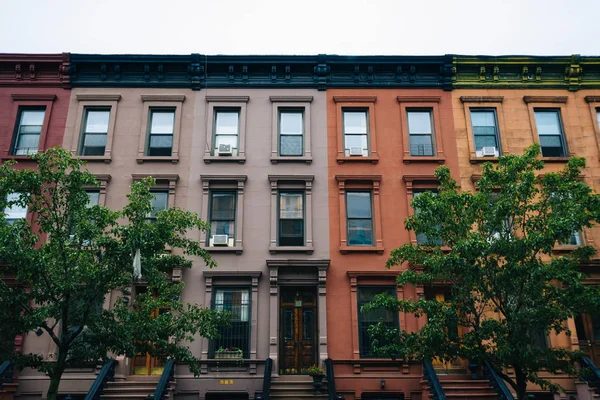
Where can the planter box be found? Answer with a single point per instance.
(229, 355)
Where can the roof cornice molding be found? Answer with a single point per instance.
(35, 70)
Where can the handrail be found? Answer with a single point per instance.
(593, 377)
(266, 390)
(434, 383)
(6, 373)
(166, 377)
(498, 383)
(107, 373)
(330, 378)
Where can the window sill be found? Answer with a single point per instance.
(555, 159)
(237, 159)
(104, 159)
(17, 158)
(291, 249)
(423, 159)
(141, 160)
(361, 249)
(278, 159)
(479, 160)
(370, 159)
(224, 249)
(565, 248)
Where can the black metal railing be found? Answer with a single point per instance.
(163, 384)
(434, 383)
(590, 373)
(266, 389)
(107, 373)
(6, 373)
(497, 382)
(330, 379)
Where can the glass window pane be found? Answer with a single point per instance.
(355, 141)
(550, 141)
(94, 198)
(291, 146)
(355, 122)
(291, 205)
(360, 232)
(162, 122)
(291, 227)
(598, 117)
(419, 122)
(227, 123)
(97, 121)
(15, 211)
(358, 204)
(28, 141)
(34, 129)
(547, 122)
(222, 228)
(483, 119)
(484, 141)
(484, 130)
(32, 117)
(159, 202)
(421, 145)
(230, 140)
(95, 140)
(163, 141)
(223, 206)
(291, 122)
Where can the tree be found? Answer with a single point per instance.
(65, 261)
(494, 248)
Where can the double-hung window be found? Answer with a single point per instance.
(420, 132)
(573, 240)
(366, 294)
(222, 218)
(422, 237)
(94, 132)
(160, 132)
(28, 131)
(237, 302)
(15, 211)
(226, 132)
(485, 132)
(291, 219)
(160, 202)
(359, 218)
(356, 132)
(291, 132)
(550, 132)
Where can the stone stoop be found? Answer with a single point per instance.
(134, 388)
(296, 387)
(8, 391)
(462, 387)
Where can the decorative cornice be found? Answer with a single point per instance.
(157, 177)
(297, 263)
(481, 99)
(227, 99)
(358, 178)
(35, 70)
(230, 274)
(291, 99)
(372, 274)
(33, 97)
(97, 97)
(592, 99)
(419, 178)
(303, 178)
(223, 178)
(180, 98)
(545, 99)
(355, 99)
(418, 99)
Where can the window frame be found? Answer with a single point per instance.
(216, 103)
(348, 218)
(160, 102)
(234, 183)
(344, 103)
(11, 221)
(83, 133)
(22, 100)
(396, 322)
(564, 148)
(430, 103)
(150, 217)
(550, 103)
(102, 100)
(496, 126)
(212, 346)
(291, 183)
(594, 106)
(360, 183)
(212, 219)
(356, 110)
(431, 134)
(164, 182)
(298, 103)
(490, 103)
(17, 134)
(418, 183)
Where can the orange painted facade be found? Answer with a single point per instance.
(390, 173)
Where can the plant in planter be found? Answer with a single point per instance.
(317, 374)
(229, 352)
(313, 370)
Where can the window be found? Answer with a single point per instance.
(485, 132)
(160, 132)
(550, 132)
(95, 131)
(222, 218)
(420, 131)
(227, 125)
(365, 294)
(421, 237)
(291, 132)
(237, 302)
(28, 131)
(160, 202)
(574, 240)
(291, 219)
(359, 219)
(15, 211)
(94, 197)
(356, 132)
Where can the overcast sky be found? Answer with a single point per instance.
(540, 27)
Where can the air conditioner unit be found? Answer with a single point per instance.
(220, 240)
(356, 151)
(489, 151)
(225, 150)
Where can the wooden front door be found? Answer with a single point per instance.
(297, 329)
(588, 333)
(146, 364)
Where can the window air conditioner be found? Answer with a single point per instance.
(356, 151)
(225, 150)
(488, 151)
(220, 240)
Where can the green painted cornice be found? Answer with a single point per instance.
(518, 72)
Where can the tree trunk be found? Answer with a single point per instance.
(56, 375)
(521, 381)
